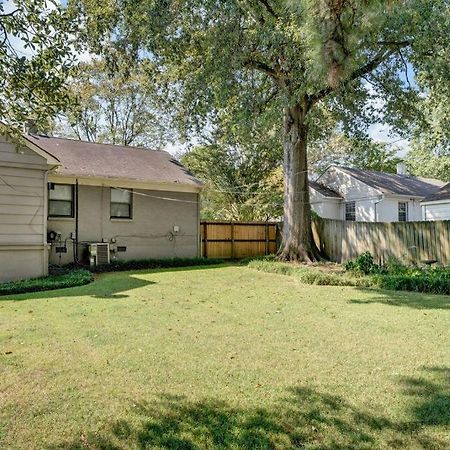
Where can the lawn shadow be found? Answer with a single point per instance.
(305, 418)
(414, 300)
(108, 285)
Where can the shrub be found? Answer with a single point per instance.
(141, 264)
(69, 279)
(422, 283)
(363, 264)
(430, 280)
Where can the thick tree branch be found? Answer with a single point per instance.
(370, 66)
(268, 8)
(264, 68)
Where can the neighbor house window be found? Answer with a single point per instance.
(60, 200)
(121, 203)
(402, 211)
(350, 211)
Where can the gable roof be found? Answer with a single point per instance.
(390, 183)
(87, 159)
(326, 192)
(440, 194)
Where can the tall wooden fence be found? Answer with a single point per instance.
(407, 241)
(238, 239)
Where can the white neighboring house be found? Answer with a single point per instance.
(347, 193)
(437, 205)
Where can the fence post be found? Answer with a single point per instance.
(232, 240)
(266, 252)
(205, 239)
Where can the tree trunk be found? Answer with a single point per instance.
(298, 243)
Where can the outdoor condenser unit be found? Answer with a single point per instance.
(99, 254)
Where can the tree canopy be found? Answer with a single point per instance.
(36, 52)
(310, 63)
(114, 101)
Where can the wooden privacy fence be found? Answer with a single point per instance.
(406, 241)
(238, 239)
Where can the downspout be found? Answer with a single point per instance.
(75, 249)
(375, 204)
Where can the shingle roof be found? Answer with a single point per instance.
(88, 159)
(393, 183)
(440, 194)
(326, 192)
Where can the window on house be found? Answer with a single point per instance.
(402, 211)
(60, 200)
(350, 211)
(121, 203)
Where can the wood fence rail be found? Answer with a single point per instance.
(406, 241)
(234, 240)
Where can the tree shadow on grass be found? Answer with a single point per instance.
(405, 299)
(305, 418)
(110, 285)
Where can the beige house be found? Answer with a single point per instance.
(65, 201)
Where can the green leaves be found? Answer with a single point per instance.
(36, 51)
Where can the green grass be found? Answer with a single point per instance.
(223, 358)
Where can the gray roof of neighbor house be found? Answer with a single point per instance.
(440, 194)
(393, 183)
(326, 192)
(88, 159)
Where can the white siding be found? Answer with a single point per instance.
(23, 176)
(387, 209)
(325, 207)
(437, 211)
(352, 190)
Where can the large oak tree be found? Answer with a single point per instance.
(300, 56)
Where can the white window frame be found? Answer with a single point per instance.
(51, 188)
(346, 212)
(405, 212)
(130, 204)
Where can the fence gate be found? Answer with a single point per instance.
(236, 240)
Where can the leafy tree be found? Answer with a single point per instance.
(428, 162)
(362, 153)
(33, 85)
(306, 58)
(114, 102)
(240, 184)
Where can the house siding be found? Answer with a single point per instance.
(371, 205)
(326, 208)
(146, 235)
(352, 190)
(387, 209)
(436, 211)
(23, 226)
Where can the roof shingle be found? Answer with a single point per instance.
(88, 159)
(441, 194)
(393, 183)
(325, 191)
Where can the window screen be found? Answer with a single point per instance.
(402, 211)
(121, 202)
(350, 211)
(60, 200)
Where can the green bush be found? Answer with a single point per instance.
(421, 283)
(363, 264)
(429, 280)
(69, 279)
(141, 264)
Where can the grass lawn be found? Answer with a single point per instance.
(223, 357)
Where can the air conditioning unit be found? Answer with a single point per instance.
(99, 254)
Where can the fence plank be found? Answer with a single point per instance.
(238, 239)
(405, 241)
